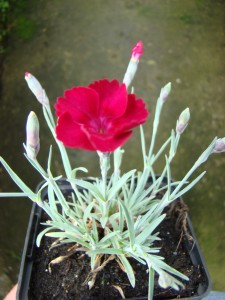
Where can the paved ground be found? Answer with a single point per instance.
(76, 42)
(215, 296)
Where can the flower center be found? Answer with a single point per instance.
(100, 125)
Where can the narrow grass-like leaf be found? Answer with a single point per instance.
(107, 237)
(140, 186)
(131, 185)
(95, 230)
(148, 230)
(151, 277)
(14, 195)
(93, 258)
(130, 223)
(172, 145)
(42, 233)
(69, 236)
(49, 160)
(144, 219)
(121, 219)
(128, 269)
(161, 150)
(113, 220)
(143, 146)
(103, 221)
(64, 224)
(18, 181)
(87, 211)
(51, 198)
(89, 186)
(134, 254)
(118, 185)
(74, 171)
(106, 251)
(168, 176)
(189, 186)
(161, 264)
(144, 206)
(36, 165)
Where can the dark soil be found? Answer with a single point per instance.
(67, 278)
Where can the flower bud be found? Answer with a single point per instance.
(36, 88)
(165, 91)
(219, 146)
(33, 141)
(183, 121)
(137, 51)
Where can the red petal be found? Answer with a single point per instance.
(79, 101)
(107, 143)
(71, 133)
(135, 115)
(112, 96)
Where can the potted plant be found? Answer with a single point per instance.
(116, 227)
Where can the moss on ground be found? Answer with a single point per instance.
(15, 19)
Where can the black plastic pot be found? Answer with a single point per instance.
(30, 244)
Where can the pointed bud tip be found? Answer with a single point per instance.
(183, 120)
(32, 131)
(168, 86)
(27, 75)
(137, 50)
(165, 91)
(219, 145)
(36, 88)
(32, 119)
(32, 114)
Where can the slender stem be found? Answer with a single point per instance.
(156, 156)
(184, 180)
(173, 150)
(155, 126)
(48, 109)
(64, 155)
(104, 165)
(202, 158)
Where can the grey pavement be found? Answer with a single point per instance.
(215, 296)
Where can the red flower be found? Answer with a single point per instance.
(98, 117)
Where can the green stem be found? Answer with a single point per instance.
(66, 163)
(104, 165)
(159, 106)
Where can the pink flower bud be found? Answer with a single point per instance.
(165, 91)
(137, 51)
(183, 121)
(219, 146)
(36, 88)
(33, 141)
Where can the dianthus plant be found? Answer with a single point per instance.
(116, 215)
